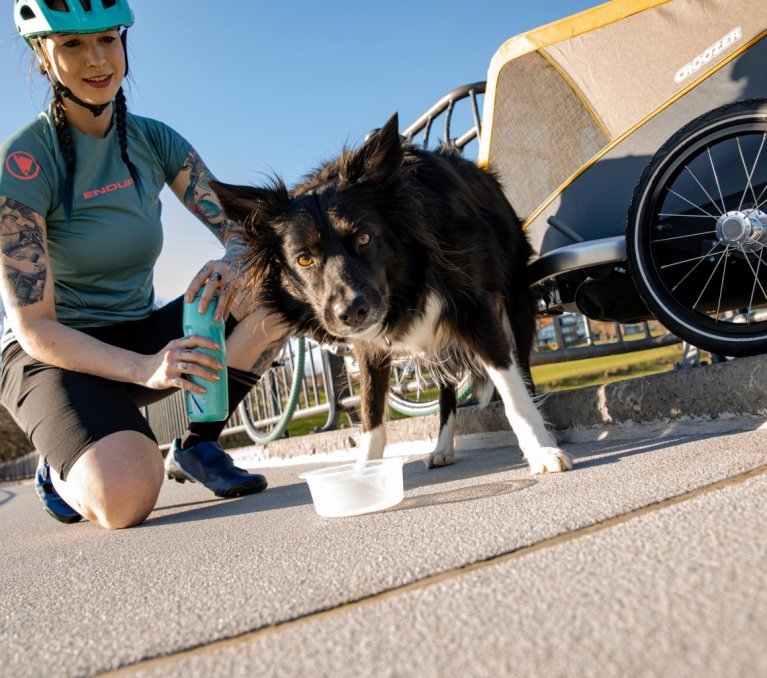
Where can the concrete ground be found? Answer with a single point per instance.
(648, 559)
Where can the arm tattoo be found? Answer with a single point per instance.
(200, 199)
(22, 248)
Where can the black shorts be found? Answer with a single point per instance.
(63, 413)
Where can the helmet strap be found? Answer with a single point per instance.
(95, 109)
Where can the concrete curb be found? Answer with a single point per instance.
(722, 391)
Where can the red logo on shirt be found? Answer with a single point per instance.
(107, 189)
(22, 165)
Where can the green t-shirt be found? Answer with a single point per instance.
(103, 259)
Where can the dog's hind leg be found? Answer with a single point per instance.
(520, 316)
(537, 444)
(374, 383)
(492, 346)
(444, 452)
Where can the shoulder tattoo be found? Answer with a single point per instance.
(23, 253)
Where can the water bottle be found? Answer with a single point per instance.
(213, 405)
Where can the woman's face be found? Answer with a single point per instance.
(91, 65)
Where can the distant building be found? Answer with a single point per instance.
(573, 330)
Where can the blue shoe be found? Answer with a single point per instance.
(206, 463)
(52, 502)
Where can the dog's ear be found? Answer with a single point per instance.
(251, 205)
(380, 155)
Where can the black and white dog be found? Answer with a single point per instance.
(402, 251)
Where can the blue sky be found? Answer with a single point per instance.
(276, 88)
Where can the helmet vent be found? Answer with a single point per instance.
(27, 13)
(57, 5)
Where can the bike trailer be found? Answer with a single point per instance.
(636, 132)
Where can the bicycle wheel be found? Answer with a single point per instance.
(697, 231)
(267, 410)
(413, 392)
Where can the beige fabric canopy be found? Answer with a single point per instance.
(560, 97)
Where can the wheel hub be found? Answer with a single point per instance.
(746, 230)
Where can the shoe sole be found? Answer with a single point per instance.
(240, 493)
(67, 520)
(179, 478)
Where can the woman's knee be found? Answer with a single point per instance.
(257, 339)
(116, 482)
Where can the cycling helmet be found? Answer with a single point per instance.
(35, 18)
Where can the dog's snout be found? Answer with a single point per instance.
(353, 314)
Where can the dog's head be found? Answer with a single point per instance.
(325, 254)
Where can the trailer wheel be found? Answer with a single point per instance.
(697, 231)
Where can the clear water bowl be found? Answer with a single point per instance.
(353, 489)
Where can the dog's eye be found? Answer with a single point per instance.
(305, 260)
(364, 238)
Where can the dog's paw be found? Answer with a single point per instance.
(440, 458)
(549, 460)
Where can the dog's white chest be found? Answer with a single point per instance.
(425, 334)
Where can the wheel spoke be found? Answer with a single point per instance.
(759, 202)
(681, 237)
(703, 188)
(690, 272)
(716, 178)
(686, 216)
(721, 285)
(756, 278)
(690, 202)
(749, 175)
(698, 259)
(710, 278)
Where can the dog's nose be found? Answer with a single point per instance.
(353, 314)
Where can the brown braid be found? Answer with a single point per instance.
(67, 148)
(121, 120)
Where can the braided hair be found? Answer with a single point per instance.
(121, 120)
(68, 147)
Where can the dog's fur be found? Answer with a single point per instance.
(399, 250)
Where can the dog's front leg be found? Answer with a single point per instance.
(374, 383)
(444, 452)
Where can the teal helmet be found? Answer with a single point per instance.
(35, 18)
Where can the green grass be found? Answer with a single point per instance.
(594, 371)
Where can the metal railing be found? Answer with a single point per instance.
(446, 105)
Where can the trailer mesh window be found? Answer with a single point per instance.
(542, 132)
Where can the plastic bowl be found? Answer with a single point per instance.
(352, 489)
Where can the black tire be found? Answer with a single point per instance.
(697, 231)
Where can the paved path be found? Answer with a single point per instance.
(648, 559)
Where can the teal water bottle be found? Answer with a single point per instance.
(213, 405)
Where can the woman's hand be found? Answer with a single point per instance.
(215, 275)
(170, 367)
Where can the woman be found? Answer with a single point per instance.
(80, 233)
